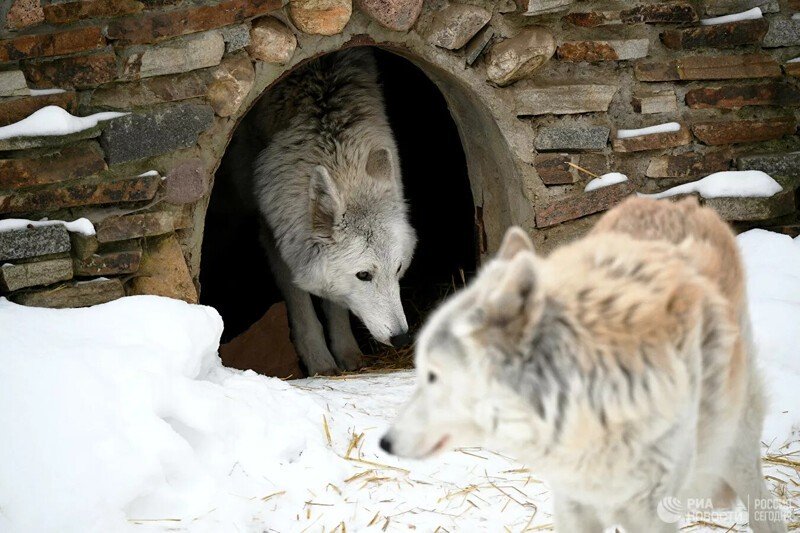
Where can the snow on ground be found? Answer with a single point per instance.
(750, 14)
(52, 120)
(667, 127)
(80, 225)
(120, 418)
(728, 184)
(605, 180)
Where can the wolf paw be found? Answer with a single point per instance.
(352, 360)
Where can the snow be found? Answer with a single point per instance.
(750, 14)
(46, 92)
(53, 120)
(148, 174)
(120, 418)
(605, 180)
(81, 225)
(772, 262)
(660, 128)
(795, 60)
(735, 183)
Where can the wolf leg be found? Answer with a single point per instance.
(743, 471)
(573, 516)
(343, 344)
(307, 334)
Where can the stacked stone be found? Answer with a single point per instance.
(557, 79)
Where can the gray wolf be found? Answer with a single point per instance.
(620, 368)
(326, 180)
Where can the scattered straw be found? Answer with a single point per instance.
(270, 496)
(573, 165)
(327, 430)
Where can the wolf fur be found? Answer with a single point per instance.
(327, 183)
(621, 368)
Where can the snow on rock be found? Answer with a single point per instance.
(605, 180)
(750, 14)
(795, 60)
(729, 184)
(660, 128)
(53, 120)
(81, 225)
(46, 92)
(772, 262)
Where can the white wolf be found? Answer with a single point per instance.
(327, 183)
(620, 368)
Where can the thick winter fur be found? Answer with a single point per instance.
(620, 368)
(327, 182)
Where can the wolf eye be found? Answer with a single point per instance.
(432, 377)
(399, 268)
(364, 276)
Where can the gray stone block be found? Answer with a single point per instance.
(142, 135)
(235, 37)
(578, 138)
(33, 242)
(782, 32)
(787, 164)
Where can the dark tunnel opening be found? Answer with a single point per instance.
(235, 276)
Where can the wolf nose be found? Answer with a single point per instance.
(398, 341)
(386, 444)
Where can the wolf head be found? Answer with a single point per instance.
(468, 353)
(363, 240)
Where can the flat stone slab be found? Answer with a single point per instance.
(578, 138)
(76, 294)
(453, 26)
(785, 164)
(606, 50)
(696, 68)
(563, 99)
(136, 189)
(142, 135)
(124, 260)
(121, 228)
(172, 57)
(743, 131)
(655, 141)
(653, 102)
(47, 141)
(23, 275)
(690, 165)
(578, 205)
(752, 209)
(70, 163)
(12, 83)
(33, 242)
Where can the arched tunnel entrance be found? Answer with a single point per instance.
(235, 275)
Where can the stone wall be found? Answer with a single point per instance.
(537, 89)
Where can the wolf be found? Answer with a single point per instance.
(324, 172)
(621, 368)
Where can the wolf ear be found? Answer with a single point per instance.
(326, 204)
(379, 165)
(515, 302)
(515, 241)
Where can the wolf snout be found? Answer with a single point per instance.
(400, 340)
(386, 443)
